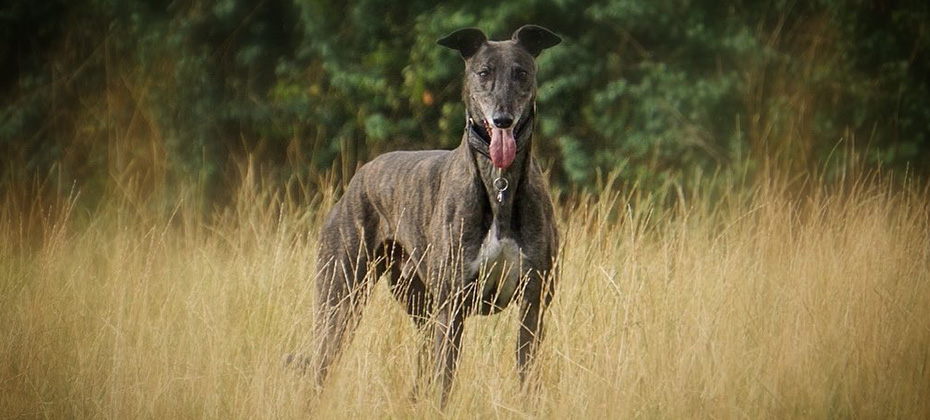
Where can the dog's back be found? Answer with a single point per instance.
(389, 193)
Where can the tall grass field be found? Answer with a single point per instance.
(732, 299)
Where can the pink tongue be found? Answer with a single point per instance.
(503, 147)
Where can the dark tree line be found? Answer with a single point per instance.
(645, 88)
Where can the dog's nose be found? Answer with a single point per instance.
(504, 121)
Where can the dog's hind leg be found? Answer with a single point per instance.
(406, 286)
(342, 287)
(410, 290)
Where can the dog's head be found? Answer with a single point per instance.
(500, 83)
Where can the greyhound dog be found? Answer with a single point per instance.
(459, 232)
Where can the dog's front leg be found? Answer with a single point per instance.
(532, 311)
(447, 334)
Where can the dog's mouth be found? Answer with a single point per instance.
(501, 142)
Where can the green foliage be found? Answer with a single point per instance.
(648, 89)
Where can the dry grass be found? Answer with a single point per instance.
(748, 302)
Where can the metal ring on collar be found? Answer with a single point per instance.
(501, 184)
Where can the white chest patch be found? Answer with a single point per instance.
(498, 267)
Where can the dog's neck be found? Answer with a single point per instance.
(476, 140)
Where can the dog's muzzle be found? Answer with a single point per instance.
(500, 145)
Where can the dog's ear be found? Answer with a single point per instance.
(467, 41)
(535, 38)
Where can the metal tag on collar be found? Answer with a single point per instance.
(500, 184)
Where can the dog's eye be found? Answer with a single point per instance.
(484, 74)
(521, 74)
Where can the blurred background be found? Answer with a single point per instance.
(169, 93)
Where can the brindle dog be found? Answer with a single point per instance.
(459, 232)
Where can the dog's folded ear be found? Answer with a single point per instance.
(535, 38)
(467, 41)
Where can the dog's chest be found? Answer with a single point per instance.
(497, 267)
